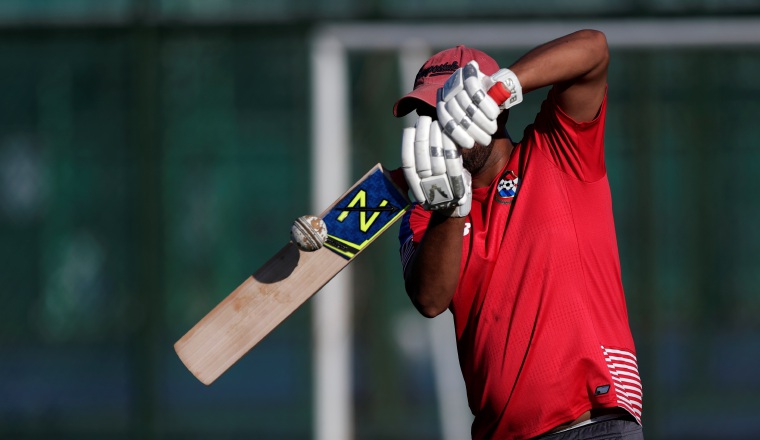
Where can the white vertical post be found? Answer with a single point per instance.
(330, 178)
(412, 55)
(453, 410)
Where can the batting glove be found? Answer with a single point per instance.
(469, 103)
(432, 166)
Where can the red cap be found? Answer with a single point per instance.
(436, 71)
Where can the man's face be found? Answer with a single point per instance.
(427, 110)
(473, 159)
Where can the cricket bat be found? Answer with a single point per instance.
(291, 277)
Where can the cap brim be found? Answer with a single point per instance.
(424, 94)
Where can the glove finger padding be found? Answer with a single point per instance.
(452, 128)
(421, 147)
(473, 85)
(437, 160)
(454, 167)
(465, 203)
(459, 177)
(467, 114)
(459, 114)
(474, 113)
(408, 163)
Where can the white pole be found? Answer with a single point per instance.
(453, 411)
(412, 55)
(330, 178)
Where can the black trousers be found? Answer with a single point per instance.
(616, 429)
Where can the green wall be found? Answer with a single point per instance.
(148, 169)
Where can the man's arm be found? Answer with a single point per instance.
(576, 65)
(432, 275)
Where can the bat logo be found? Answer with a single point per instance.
(389, 208)
(362, 214)
(365, 220)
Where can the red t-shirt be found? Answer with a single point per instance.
(540, 315)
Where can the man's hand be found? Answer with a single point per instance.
(432, 166)
(469, 103)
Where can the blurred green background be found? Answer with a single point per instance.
(154, 153)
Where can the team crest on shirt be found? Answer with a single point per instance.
(508, 186)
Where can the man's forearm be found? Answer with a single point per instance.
(576, 64)
(565, 59)
(433, 274)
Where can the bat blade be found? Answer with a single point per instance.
(290, 278)
(254, 309)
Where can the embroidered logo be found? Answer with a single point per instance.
(507, 187)
(467, 227)
(437, 70)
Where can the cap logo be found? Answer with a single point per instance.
(435, 70)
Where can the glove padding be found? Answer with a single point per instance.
(467, 111)
(433, 168)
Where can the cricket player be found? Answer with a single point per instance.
(517, 240)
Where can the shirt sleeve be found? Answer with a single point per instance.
(413, 226)
(577, 148)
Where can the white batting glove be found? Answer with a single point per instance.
(432, 166)
(466, 107)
